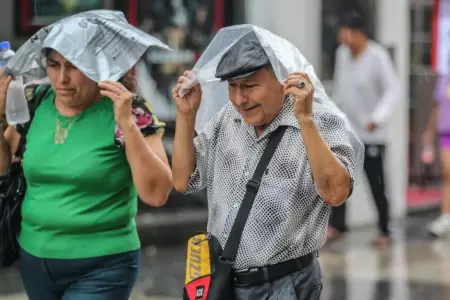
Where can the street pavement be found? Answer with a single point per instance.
(414, 268)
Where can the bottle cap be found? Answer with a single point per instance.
(5, 45)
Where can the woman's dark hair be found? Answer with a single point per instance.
(129, 82)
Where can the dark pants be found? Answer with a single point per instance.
(373, 167)
(109, 277)
(305, 284)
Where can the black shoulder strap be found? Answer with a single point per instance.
(234, 239)
(32, 106)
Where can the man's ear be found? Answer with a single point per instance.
(281, 85)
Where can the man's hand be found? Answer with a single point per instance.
(301, 87)
(372, 126)
(189, 103)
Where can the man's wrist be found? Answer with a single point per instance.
(190, 115)
(185, 125)
(186, 118)
(308, 127)
(305, 120)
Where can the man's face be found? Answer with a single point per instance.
(258, 97)
(346, 36)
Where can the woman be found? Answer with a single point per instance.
(91, 149)
(440, 122)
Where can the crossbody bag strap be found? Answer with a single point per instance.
(252, 187)
(41, 91)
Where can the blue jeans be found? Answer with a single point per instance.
(109, 277)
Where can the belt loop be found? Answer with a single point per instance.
(317, 253)
(266, 274)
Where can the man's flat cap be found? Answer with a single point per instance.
(244, 58)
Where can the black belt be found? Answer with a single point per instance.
(273, 272)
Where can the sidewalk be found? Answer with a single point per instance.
(423, 200)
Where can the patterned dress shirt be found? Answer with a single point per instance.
(288, 218)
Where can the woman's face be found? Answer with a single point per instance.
(71, 86)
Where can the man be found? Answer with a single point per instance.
(366, 89)
(289, 217)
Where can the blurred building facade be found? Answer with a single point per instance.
(187, 26)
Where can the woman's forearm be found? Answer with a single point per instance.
(5, 155)
(7, 137)
(151, 172)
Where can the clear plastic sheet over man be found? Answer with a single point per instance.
(285, 58)
(100, 43)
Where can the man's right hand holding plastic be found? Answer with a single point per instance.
(190, 102)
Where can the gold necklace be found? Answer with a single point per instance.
(61, 131)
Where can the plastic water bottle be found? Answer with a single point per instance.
(16, 103)
(5, 53)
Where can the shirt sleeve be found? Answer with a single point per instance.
(204, 144)
(339, 136)
(144, 118)
(390, 87)
(198, 179)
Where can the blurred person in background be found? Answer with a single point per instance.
(91, 149)
(200, 29)
(366, 89)
(439, 122)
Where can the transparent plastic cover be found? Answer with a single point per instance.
(284, 57)
(100, 43)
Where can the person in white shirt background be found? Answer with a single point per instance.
(365, 88)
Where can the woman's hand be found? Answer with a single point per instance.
(122, 99)
(4, 85)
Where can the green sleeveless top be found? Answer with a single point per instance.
(80, 200)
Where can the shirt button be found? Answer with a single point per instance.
(247, 174)
(236, 205)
